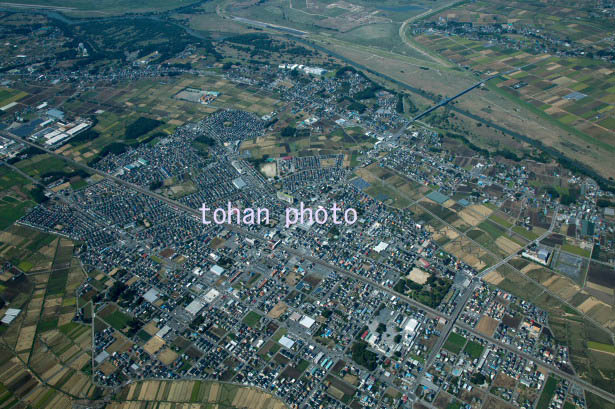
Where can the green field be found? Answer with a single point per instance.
(41, 164)
(596, 402)
(57, 282)
(547, 393)
(528, 234)
(279, 334)
(500, 220)
(47, 325)
(601, 347)
(118, 320)
(492, 229)
(252, 319)
(455, 342)
(10, 178)
(387, 195)
(576, 250)
(475, 350)
(9, 213)
(303, 365)
(8, 95)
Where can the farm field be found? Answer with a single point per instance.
(338, 141)
(586, 341)
(195, 394)
(15, 196)
(28, 249)
(570, 93)
(389, 187)
(58, 350)
(502, 112)
(9, 95)
(118, 107)
(44, 336)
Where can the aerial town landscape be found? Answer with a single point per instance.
(307, 204)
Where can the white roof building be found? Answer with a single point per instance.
(307, 322)
(217, 270)
(151, 295)
(381, 247)
(163, 331)
(411, 326)
(10, 315)
(239, 183)
(211, 295)
(286, 342)
(195, 306)
(100, 358)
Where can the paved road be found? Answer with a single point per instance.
(572, 378)
(463, 298)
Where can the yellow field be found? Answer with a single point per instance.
(494, 278)
(418, 276)
(153, 345)
(194, 395)
(279, 309)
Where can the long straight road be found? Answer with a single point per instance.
(194, 212)
(464, 297)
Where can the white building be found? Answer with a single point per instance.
(381, 247)
(307, 322)
(411, 326)
(211, 295)
(195, 307)
(216, 269)
(10, 315)
(151, 295)
(286, 342)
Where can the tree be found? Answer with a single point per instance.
(115, 291)
(206, 140)
(140, 127)
(478, 378)
(157, 184)
(571, 197)
(363, 356)
(399, 107)
(288, 131)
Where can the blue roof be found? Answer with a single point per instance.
(56, 113)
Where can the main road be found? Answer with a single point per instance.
(451, 320)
